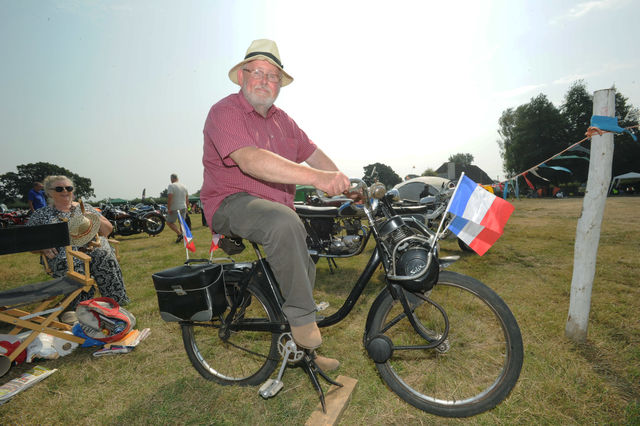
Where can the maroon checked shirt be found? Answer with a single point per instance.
(232, 124)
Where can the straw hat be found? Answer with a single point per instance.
(264, 49)
(83, 227)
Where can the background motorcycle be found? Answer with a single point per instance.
(152, 205)
(334, 228)
(430, 208)
(14, 218)
(131, 220)
(333, 234)
(161, 208)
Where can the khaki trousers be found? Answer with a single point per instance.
(283, 237)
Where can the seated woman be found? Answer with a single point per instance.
(104, 265)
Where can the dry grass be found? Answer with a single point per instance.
(530, 267)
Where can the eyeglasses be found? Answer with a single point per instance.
(258, 74)
(62, 188)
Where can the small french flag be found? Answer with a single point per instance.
(186, 233)
(214, 242)
(479, 216)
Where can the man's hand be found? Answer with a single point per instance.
(333, 183)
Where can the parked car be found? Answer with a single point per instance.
(420, 187)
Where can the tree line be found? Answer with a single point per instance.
(536, 131)
(15, 186)
(528, 135)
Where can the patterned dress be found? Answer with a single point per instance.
(104, 265)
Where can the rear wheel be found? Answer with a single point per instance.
(471, 371)
(245, 357)
(154, 223)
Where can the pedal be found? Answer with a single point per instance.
(322, 306)
(270, 388)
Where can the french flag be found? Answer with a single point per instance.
(214, 242)
(479, 216)
(186, 233)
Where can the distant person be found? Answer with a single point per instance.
(37, 197)
(177, 201)
(104, 265)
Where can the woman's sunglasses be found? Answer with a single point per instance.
(62, 188)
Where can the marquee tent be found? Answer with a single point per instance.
(625, 178)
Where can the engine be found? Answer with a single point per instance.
(410, 252)
(335, 237)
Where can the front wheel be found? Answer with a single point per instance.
(473, 370)
(464, 246)
(243, 357)
(153, 224)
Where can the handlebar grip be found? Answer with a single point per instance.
(356, 192)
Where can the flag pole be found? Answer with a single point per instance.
(186, 251)
(210, 250)
(444, 215)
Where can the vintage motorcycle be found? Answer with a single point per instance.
(130, 220)
(150, 206)
(335, 229)
(14, 218)
(431, 209)
(333, 236)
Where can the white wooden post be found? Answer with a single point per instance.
(590, 221)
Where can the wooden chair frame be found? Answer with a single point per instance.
(50, 297)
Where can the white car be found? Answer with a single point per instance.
(420, 187)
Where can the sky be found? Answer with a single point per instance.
(118, 91)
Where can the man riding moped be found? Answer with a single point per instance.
(253, 155)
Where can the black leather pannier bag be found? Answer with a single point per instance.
(190, 292)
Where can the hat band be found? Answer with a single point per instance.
(82, 234)
(267, 54)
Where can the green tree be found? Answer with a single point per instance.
(530, 134)
(17, 185)
(429, 172)
(577, 110)
(381, 173)
(626, 153)
(461, 159)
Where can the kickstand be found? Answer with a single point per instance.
(312, 369)
(331, 261)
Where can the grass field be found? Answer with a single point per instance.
(530, 267)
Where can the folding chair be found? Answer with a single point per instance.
(49, 297)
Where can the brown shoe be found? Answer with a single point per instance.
(326, 364)
(307, 336)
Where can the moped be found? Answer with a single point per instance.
(443, 342)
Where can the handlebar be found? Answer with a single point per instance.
(358, 192)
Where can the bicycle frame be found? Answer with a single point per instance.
(269, 283)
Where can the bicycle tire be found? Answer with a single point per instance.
(483, 352)
(464, 246)
(247, 358)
